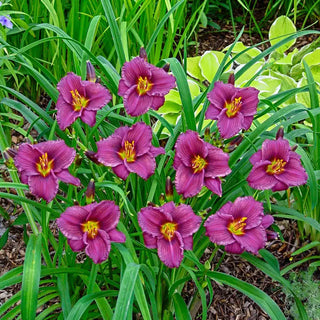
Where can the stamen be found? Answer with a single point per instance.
(143, 86)
(92, 227)
(237, 226)
(198, 164)
(79, 101)
(44, 166)
(128, 152)
(233, 107)
(276, 167)
(168, 229)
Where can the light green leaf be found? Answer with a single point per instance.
(282, 27)
(209, 65)
(193, 68)
(245, 56)
(248, 74)
(267, 85)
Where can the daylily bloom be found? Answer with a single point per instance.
(92, 227)
(239, 226)
(143, 86)
(6, 22)
(169, 229)
(43, 164)
(198, 164)
(232, 107)
(79, 98)
(276, 167)
(129, 150)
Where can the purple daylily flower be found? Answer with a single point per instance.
(92, 227)
(239, 226)
(143, 86)
(169, 229)
(232, 107)
(129, 150)
(6, 21)
(198, 164)
(43, 164)
(276, 167)
(78, 98)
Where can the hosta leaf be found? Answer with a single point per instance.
(209, 65)
(282, 27)
(193, 68)
(248, 74)
(312, 58)
(245, 56)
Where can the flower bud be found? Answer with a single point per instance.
(143, 54)
(236, 141)
(294, 148)
(207, 265)
(92, 156)
(91, 74)
(162, 199)
(90, 192)
(151, 204)
(231, 79)
(169, 189)
(9, 153)
(280, 133)
(207, 134)
(78, 160)
(166, 67)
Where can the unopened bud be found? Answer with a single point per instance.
(207, 265)
(207, 134)
(231, 79)
(90, 192)
(75, 203)
(166, 67)
(143, 54)
(162, 199)
(151, 204)
(9, 153)
(92, 156)
(280, 133)
(78, 160)
(294, 148)
(91, 74)
(169, 189)
(236, 141)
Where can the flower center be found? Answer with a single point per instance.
(198, 164)
(237, 226)
(44, 166)
(128, 152)
(92, 227)
(276, 166)
(143, 85)
(79, 101)
(233, 107)
(168, 229)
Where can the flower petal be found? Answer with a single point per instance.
(143, 166)
(217, 162)
(65, 113)
(57, 150)
(132, 70)
(217, 229)
(189, 145)
(259, 179)
(151, 219)
(228, 127)
(149, 241)
(278, 149)
(76, 245)
(279, 186)
(171, 252)
(253, 240)
(98, 248)
(188, 183)
(249, 99)
(66, 84)
(188, 222)
(141, 134)
(66, 177)
(157, 102)
(267, 221)
(107, 213)
(188, 242)
(162, 82)
(234, 248)
(249, 208)
(155, 151)
(122, 88)
(116, 236)
(256, 157)
(26, 159)
(220, 94)
(108, 150)
(44, 187)
(214, 184)
(135, 104)
(212, 112)
(121, 171)
(97, 94)
(89, 117)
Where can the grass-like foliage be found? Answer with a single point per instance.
(141, 161)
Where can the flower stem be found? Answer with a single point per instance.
(92, 279)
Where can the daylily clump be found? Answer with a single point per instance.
(169, 229)
(43, 164)
(276, 167)
(78, 98)
(129, 150)
(143, 86)
(92, 228)
(232, 107)
(198, 164)
(240, 226)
